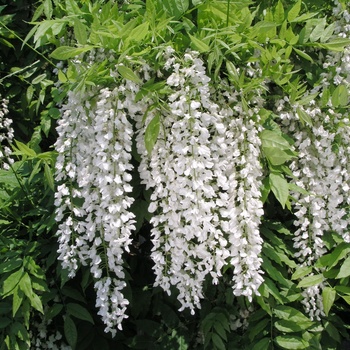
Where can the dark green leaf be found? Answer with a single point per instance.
(10, 265)
(217, 342)
(79, 312)
(70, 332)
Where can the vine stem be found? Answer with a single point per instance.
(228, 12)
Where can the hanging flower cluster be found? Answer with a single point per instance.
(6, 134)
(205, 175)
(93, 200)
(322, 166)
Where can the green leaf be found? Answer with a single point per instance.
(4, 322)
(340, 96)
(25, 150)
(10, 265)
(279, 187)
(49, 177)
(344, 269)
(258, 328)
(48, 8)
(301, 271)
(66, 52)
(291, 342)
(303, 54)
(276, 156)
(291, 314)
(304, 117)
(327, 33)
(279, 13)
(218, 343)
(332, 331)
(328, 297)
(294, 11)
(12, 281)
(26, 286)
(70, 332)
(271, 138)
(334, 45)
(151, 133)
(128, 74)
(80, 32)
(318, 30)
(53, 311)
(264, 343)
(79, 312)
(16, 300)
(198, 44)
(139, 33)
(288, 326)
(310, 281)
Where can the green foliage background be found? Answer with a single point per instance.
(290, 36)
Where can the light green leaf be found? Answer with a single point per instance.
(12, 281)
(66, 52)
(26, 286)
(80, 32)
(271, 138)
(289, 313)
(303, 54)
(302, 271)
(328, 297)
(182, 5)
(128, 74)
(318, 30)
(327, 33)
(279, 187)
(311, 281)
(291, 342)
(70, 332)
(279, 13)
(288, 326)
(334, 45)
(139, 33)
(79, 312)
(294, 11)
(344, 269)
(151, 133)
(276, 156)
(16, 300)
(340, 96)
(48, 8)
(198, 44)
(304, 117)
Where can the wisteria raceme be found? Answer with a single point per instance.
(192, 171)
(94, 145)
(6, 135)
(322, 166)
